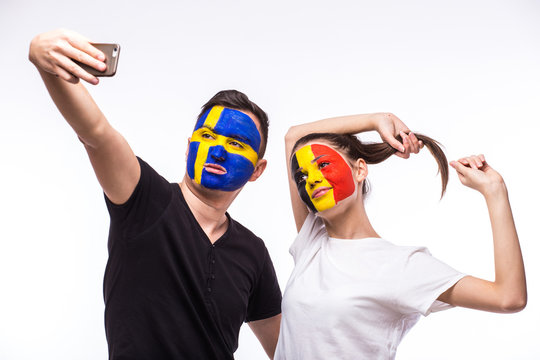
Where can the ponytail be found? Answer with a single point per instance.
(374, 153)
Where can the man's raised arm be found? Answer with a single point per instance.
(114, 163)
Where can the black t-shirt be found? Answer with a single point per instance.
(170, 293)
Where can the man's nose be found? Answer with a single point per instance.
(218, 153)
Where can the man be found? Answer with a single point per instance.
(182, 276)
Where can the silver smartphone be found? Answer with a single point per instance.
(112, 53)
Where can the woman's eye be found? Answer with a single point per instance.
(323, 164)
(300, 177)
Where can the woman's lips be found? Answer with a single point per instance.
(215, 169)
(320, 192)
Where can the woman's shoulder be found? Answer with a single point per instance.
(400, 251)
(312, 233)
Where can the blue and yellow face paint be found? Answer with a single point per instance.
(223, 150)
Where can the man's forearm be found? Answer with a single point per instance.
(77, 107)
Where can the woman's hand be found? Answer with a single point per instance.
(389, 126)
(474, 172)
(54, 52)
(508, 293)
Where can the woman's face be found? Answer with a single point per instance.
(322, 175)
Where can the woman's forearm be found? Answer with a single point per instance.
(509, 269)
(350, 124)
(386, 124)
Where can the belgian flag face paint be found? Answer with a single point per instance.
(223, 149)
(322, 176)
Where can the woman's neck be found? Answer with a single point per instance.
(349, 222)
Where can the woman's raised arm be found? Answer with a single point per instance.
(508, 293)
(386, 124)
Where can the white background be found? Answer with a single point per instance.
(464, 72)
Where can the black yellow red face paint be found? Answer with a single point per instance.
(322, 176)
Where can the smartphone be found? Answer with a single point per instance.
(112, 52)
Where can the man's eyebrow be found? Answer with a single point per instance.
(317, 158)
(239, 137)
(208, 127)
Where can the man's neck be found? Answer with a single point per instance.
(208, 207)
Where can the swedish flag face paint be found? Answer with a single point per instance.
(223, 149)
(322, 176)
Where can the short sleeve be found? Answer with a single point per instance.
(423, 279)
(309, 236)
(147, 202)
(265, 300)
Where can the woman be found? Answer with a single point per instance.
(353, 295)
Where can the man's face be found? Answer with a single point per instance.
(223, 149)
(322, 176)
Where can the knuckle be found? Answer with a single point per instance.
(52, 55)
(64, 33)
(57, 44)
(73, 69)
(35, 40)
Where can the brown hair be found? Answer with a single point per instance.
(374, 153)
(239, 101)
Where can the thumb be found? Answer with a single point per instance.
(394, 142)
(460, 168)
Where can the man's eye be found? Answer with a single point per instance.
(236, 144)
(207, 136)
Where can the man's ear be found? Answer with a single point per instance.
(360, 170)
(187, 147)
(259, 169)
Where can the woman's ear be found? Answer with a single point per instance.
(360, 170)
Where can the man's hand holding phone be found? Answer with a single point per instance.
(71, 56)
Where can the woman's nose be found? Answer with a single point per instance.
(314, 179)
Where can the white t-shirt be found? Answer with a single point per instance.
(356, 299)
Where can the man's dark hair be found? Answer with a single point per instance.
(234, 99)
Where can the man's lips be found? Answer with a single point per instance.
(215, 169)
(320, 192)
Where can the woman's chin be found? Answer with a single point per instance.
(331, 212)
